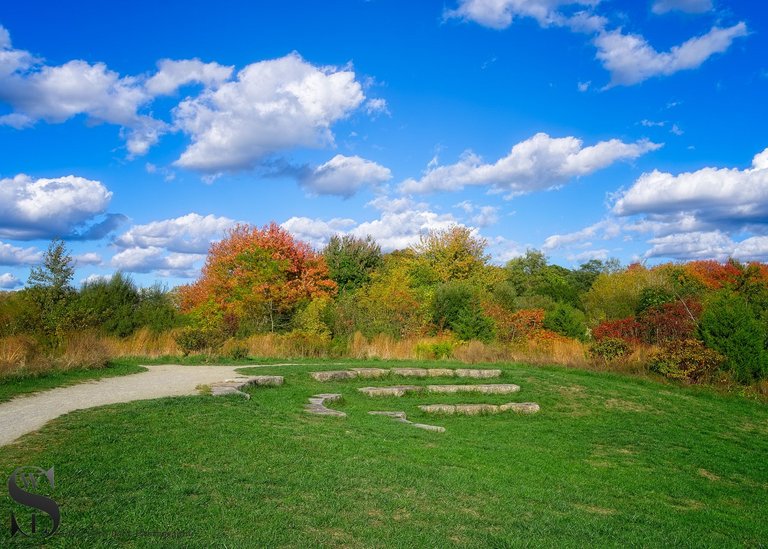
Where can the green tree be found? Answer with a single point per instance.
(351, 260)
(729, 326)
(456, 305)
(109, 305)
(50, 293)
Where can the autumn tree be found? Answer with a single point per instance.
(453, 254)
(254, 279)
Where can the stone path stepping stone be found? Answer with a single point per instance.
(400, 390)
(235, 385)
(340, 375)
(336, 375)
(402, 418)
(397, 391)
(487, 389)
(476, 409)
(317, 405)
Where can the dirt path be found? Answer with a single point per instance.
(25, 414)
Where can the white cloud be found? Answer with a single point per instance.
(719, 196)
(588, 255)
(584, 86)
(90, 279)
(171, 75)
(687, 6)
(694, 245)
(42, 208)
(631, 59)
(191, 233)
(499, 14)
(675, 129)
(481, 216)
(271, 106)
(752, 249)
(88, 258)
(376, 106)
(153, 259)
(5, 39)
(402, 222)
(345, 175)
(317, 232)
(539, 163)
(13, 255)
(603, 230)
(7, 280)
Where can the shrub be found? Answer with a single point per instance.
(195, 340)
(566, 320)
(670, 321)
(436, 350)
(687, 360)
(609, 349)
(729, 326)
(457, 306)
(628, 330)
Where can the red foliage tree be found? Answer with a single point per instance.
(258, 274)
(670, 321)
(713, 274)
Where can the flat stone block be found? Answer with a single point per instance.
(396, 391)
(489, 389)
(333, 375)
(464, 372)
(440, 372)
(371, 372)
(521, 407)
(410, 372)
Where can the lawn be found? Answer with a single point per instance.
(609, 460)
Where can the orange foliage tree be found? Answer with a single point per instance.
(256, 276)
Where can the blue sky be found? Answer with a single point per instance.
(140, 132)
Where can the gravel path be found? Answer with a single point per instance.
(25, 414)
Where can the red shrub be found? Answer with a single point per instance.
(670, 321)
(627, 329)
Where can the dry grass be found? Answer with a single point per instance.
(144, 343)
(83, 350)
(23, 356)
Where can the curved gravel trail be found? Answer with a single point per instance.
(24, 414)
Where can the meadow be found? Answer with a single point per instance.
(610, 460)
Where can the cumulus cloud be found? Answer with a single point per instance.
(694, 245)
(233, 122)
(711, 195)
(344, 176)
(539, 163)
(191, 233)
(157, 260)
(628, 57)
(400, 224)
(13, 255)
(688, 6)
(88, 258)
(499, 14)
(271, 106)
(631, 59)
(171, 75)
(481, 216)
(51, 207)
(317, 232)
(7, 280)
(603, 230)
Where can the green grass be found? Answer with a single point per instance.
(12, 387)
(609, 461)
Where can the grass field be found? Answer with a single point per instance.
(610, 460)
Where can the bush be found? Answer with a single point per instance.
(195, 340)
(628, 330)
(457, 306)
(567, 321)
(609, 349)
(729, 326)
(435, 351)
(687, 360)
